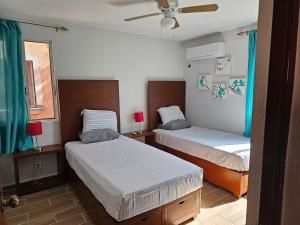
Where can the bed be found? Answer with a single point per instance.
(225, 149)
(223, 156)
(123, 181)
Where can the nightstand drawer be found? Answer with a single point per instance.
(182, 209)
(152, 217)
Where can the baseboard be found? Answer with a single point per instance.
(36, 186)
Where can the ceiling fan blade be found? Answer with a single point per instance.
(163, 3)
(176, 24)
(200, 8)
(127, 2)
(141, 17)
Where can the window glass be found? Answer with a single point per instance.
(39, 80)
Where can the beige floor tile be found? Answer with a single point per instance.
(17, 220)
(40, 212)
(16, 212)
(212, 197)
(74, 220)
(214, 220)
(62, 198)
(62, 215)
(234, 213)
(47, 220)
(207, 188)
(241, 221)
(36, 199)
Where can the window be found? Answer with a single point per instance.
(39, 80)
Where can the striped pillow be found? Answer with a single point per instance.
(99, 119)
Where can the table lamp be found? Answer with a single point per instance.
(139, 117)
(35, 129)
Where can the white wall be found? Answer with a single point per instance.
(90, 53)
(202, 110)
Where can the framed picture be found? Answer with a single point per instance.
(204, 82)
(237, 86)
(219, 91)
(224, 65)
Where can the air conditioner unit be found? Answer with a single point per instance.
(214, 50)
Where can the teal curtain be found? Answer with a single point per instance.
(250, 82)
(13, 105)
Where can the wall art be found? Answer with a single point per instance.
(224, 65)
(237, 86)
(204, 82)
(219, 91)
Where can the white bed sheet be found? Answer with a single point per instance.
(129, 177)
(222, 148)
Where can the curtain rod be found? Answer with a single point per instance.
(57, 28)
(243, 33)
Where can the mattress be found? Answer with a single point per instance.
(129, 177)
(228, 150)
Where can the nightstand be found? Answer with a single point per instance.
(43, 183)
(147, 137)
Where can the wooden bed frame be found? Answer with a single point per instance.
(75, 95)
(167, 93)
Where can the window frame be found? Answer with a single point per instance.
(53, 80)
(29, 81)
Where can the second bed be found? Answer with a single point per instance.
(129, 177)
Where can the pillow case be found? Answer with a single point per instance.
(99, 119)
(98, 136)
(175, 125)
(171, 113)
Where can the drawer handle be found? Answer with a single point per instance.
(144, 219)
(180, 203)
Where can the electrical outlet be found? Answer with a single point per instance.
(38, 164)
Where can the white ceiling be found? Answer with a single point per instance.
(100, 13)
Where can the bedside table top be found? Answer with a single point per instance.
(146, 133)
(45, 150)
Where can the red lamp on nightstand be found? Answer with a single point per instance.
(35, 129)
(139, 117)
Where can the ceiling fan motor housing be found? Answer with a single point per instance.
(173, 4)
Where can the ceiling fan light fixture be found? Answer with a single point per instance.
(168, 23)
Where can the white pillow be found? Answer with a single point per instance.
(99, 119)
(171, 113)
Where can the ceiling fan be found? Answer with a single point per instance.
(169, 9)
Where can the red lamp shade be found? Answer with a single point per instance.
(35, 128)
(139, 117)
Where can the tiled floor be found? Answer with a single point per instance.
(61, 206)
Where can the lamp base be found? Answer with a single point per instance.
(37, 148)
(140, 131)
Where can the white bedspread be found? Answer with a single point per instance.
(224, 149)
(129, 177)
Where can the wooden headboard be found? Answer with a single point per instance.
(75, 95)
(163, 94)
